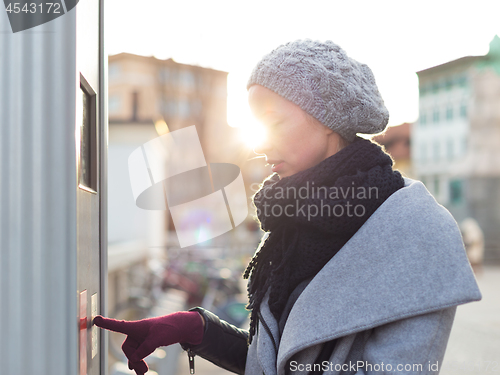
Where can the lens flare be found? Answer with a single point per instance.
(161, 126)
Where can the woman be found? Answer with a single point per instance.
(360, 270)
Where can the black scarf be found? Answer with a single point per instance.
(311, 215)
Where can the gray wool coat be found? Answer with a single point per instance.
(389, 296)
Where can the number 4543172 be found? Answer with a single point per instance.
(34, 8)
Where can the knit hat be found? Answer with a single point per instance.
(321, 79)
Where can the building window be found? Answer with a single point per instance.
(436, 185)
(172, 107)
(423, 153)
(435, 87)
(462, 81)
(168, 76)
(184, 108)
(423, 118)
(113, 71)
(435, 115)
(423, 90)
(456, 191)
(169, 108)
(187, 80)
(437, 151)
(448, 84)
(164, 74)
(114, 103)
(463, 110)
(449, 113)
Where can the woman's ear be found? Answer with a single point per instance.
(315, 122)
(328, 131)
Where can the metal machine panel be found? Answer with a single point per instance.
(38, 199)
(52, 232)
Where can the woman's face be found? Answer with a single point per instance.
(294, 140)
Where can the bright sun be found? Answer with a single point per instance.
(253, 134)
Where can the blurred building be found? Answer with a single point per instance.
(147, 98)
(145, 89)
(456, 140)
(396, 141)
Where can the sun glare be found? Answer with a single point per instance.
(253, 134)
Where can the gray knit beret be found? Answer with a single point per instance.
(321, 79)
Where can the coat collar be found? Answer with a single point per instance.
(407, 259)
(267, 338)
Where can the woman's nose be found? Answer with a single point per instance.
(262, 147)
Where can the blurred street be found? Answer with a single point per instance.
(474, 345)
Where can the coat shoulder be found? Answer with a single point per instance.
(407, 259)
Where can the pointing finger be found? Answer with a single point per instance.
(121, 326)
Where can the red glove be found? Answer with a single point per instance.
(144, 336)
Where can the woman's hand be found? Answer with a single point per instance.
(144, 336)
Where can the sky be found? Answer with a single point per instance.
(394, 38)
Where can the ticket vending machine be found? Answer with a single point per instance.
(91, 140)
